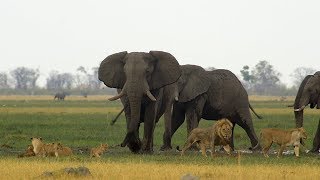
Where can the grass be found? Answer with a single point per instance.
(85, 123)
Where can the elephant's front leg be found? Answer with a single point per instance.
(167, 131)
(316, 140)
(177, 119)
(149, 125)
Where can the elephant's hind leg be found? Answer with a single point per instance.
(245, 122)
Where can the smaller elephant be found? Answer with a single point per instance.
(308, 93)
(60, 96)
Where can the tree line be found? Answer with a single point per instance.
(262, 79)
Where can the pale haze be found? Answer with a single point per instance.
(65, 34)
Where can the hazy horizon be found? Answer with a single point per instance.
(63, 35)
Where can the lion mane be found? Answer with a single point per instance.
(283, 138)
(218, 134)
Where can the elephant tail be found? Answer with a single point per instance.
(259, 117)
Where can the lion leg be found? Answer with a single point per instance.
(203, 149)
(185, 147)
(212, 150)
(296, 150)
(266, 148)
(97, 155)
(282, 147)
(227, 148)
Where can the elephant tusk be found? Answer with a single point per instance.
(151, 96)
(300, 109)
(117, 96)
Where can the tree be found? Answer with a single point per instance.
(247, 77)
(265, 78)
(57, 81)
(25, 78)
(3, 80)
(300, 73)
(94, 82)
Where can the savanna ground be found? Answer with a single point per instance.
(84, 123)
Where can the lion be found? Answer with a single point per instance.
(283, 138)
(42, 149)
(96, 152)
(218, 134)
(60, 150)
(28, 152)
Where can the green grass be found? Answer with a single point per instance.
(78, 129)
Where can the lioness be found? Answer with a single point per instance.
(28, 152)
(218, 134)
(283, 138)
(60, 150)
(96, 152)
(42, 149)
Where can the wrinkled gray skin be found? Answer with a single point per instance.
(308, 93)
(60, 96)
(143, 79)
(210, 95)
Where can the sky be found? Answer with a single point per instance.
(65, 34)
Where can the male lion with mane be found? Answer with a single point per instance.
(218, 134)
(283, 138)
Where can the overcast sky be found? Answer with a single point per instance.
(64, 34)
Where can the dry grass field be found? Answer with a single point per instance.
(30, 169)
(80, 122)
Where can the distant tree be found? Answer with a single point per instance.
(3, 80)
(265, 77)
(59, 81)
(86, 81)
(94, 82)
(25, 78)
(81, 78)
(300, 73)
(246, 76)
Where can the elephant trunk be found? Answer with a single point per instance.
(299, 118)
(132, 136)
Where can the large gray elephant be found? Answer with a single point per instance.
(143, 79)
(210, 95)
(308, 93)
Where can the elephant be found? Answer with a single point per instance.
(210, 95)
(60, 96)
(142, 79)
(308, 93)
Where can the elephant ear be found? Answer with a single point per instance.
(193, 82)
(166, 70)
(111, 71)
(299, 94)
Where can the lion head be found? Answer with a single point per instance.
(302, 133)
(104, 146)
(224, 129)
(37, 144)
